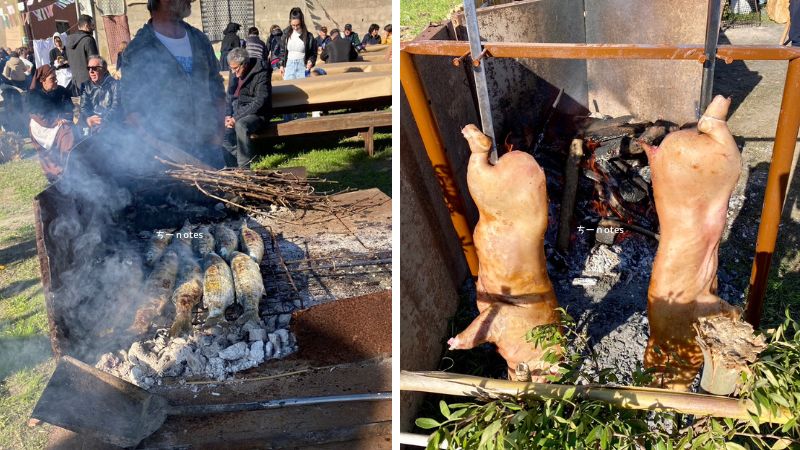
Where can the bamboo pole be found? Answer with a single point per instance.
(622, 397)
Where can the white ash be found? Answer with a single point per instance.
(211, 353)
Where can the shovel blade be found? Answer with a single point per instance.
(89, 401)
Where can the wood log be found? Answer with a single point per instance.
(570, 192)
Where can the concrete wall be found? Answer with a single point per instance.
(646, 89)
(430, 252)
(521, 90)
(330, 13)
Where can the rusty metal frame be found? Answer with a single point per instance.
(783, 149)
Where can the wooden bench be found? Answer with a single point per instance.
(365, 122)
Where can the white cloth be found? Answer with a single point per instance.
(296, 47)
(63, 77)
(180, 48)
(28, 66)
(42, 135)
(42, 47)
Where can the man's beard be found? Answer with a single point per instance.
(182, 10)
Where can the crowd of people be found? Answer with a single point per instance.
(189, 107)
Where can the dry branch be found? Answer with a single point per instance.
(252, 190)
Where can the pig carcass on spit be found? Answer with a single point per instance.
(694, 172)
(514, 292)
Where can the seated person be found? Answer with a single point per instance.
(15, 71)
(249, 102)
(352, 37)
(388, 30)
(99, 98)
(373, 36)
(50, 107)
(338, 49)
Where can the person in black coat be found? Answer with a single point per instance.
(373, 37)
(80, 46)
(249, 103)
(230, 40)
(339, 49)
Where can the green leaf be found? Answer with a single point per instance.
(490, 433)
(781, 444)
(426, 423)
(733, 446)
(444, 409)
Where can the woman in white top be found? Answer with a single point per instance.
(298, 48)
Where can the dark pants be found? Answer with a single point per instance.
(237, 140)
(794, 25)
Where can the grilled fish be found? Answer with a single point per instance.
(184, 235)
(226, 241)
(248, 284)
(218, 291)
(204, 242)
(157, 289)
(155, 248)
(188, 294)
(252, 244)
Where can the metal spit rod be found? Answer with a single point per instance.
(484, 107)
(712, 35)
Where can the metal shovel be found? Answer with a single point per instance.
(89, 401)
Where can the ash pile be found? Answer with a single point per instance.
(200, 307)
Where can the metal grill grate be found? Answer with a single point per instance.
(216, 14)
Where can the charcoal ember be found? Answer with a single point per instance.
(257, 352)
(234, 352)
(644, 172)
(610, 149)
(269, 350)
(631, 192)
(211, 350)
(271, 324)
(605, 235)
(283, 320)
(256, 334)
(275, 341)
(216, 368)
(652, 135)
(195, 363)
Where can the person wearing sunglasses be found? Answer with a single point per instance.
(99, 98)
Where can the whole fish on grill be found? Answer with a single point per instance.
(184, 235)
(188, 293)
(204, 241)
(157, 289)
(226, 240)
(218, 291)
(248, 285)
(156, 246)
(252, 244)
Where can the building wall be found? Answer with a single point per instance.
(330, 13)
(46, 28)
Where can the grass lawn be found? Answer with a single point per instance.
(341, 160)
(417, 14)
(26, 361)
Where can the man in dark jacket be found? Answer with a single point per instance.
(249, 103)
(256, 48)
(339, 49)
(172, 88)
(99, 96)
(352, 37)
(80, 46)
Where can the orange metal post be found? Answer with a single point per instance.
(432, 141)
(775, 194)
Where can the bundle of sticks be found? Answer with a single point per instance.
(250, 190)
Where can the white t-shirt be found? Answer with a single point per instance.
(296, 47)
(180, 48)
